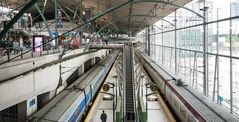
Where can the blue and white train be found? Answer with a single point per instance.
(72, 103)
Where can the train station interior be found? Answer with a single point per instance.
(119, 60)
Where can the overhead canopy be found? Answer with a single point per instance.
(123, 19)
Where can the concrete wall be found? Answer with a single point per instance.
(10, 69)
(41, 81)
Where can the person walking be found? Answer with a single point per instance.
(103, 116)
(16, 47)
(10, 45)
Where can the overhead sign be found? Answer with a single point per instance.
(59, 20)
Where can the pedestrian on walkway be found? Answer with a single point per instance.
(16, 47)
(103, 116)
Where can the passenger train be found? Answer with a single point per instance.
(187, 104)
(73, 102)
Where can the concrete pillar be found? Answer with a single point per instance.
(92, 61)
(80, 70)
(52, 94)
(21, 41)
(22, 111)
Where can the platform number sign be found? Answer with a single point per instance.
(153, 87)
(106, 87)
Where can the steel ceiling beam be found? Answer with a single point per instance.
(138, 30)
(151, 12)
(44, 6)
(135, 1)
(15, 9)
(118, 30)
(75, 13)
(170, 3)
(72, 12)
(94, 18)
(44, 19)
(115, 20)
(160, 18)
(17, 17)
(130, 13)
(59, 6)
(32, 2)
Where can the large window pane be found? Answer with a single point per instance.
(224, 38)
(224, 80)
(236, 86)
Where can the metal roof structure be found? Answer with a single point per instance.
(76, 10)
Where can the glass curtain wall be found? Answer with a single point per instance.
(221, 80)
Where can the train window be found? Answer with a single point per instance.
(77, 111)
(170, 95)
(191, 119)
(71, 119)
(176, 103)
(82, 105)
(183, 111)
(160, 83)
(87, 96)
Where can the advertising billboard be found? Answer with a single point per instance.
(38, 43)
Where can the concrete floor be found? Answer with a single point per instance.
(156, 112)
(100, 105)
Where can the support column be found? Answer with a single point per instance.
(205, 50)
(154, 47)
(162, 43)
(81, 37)
(148, 39)
(175, 45)
(56, 20)
(44, 19)
(145, 41)
(216, 71)
(231, 71)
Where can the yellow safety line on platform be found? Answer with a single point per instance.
(97, 98)
(165, 107)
